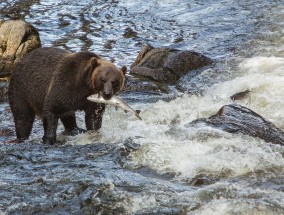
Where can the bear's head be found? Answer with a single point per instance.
(106, 78)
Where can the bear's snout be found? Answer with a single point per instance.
(107, 95)
(107, 91)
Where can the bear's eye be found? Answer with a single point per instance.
(102, 81)
(114, 84)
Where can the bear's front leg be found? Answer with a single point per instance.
(94, 116)
(50, 122)
(70, 125)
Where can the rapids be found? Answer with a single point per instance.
(158, 165)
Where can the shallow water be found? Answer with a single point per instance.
(158, 165)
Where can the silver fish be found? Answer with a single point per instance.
(115, 101)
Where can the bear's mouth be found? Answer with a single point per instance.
(107, 96)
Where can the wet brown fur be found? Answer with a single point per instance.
(53, 83)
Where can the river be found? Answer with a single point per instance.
(158, 165)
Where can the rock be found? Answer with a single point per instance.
(129, 33)
(17, 38)
(108, 44)
(241, 95)
(134, 84)
(167, 65)
(235, 118)
(17, 10)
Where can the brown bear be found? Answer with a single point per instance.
(54, 83)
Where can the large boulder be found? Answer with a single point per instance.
(167, 65)
(17, 38)
(235, 118)
(133, 84)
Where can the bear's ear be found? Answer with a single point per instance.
(93, 63)
(124, 69)
(88, 71)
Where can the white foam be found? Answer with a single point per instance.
(225, 206)
(169, 146)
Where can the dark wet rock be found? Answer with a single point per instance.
(129, 33)
(235, 118)
(108, 44)
(19, 9)
(178, 40)
(167, 65)
(17, 39)
(201, 181)
(134, 84)
(241, 95)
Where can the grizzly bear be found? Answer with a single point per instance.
(53, 83)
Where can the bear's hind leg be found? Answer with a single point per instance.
(50, 122)
(70, 125)
(24, 123)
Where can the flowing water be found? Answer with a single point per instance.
(158, 165)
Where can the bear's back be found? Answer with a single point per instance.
(30, 79)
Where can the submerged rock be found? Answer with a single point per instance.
(129, 33)
(235, 118)
(167, 65)
(240, 96)
(17, 38)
